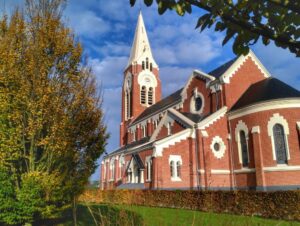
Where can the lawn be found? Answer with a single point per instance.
(140, 215)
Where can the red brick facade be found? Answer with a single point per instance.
(202, 140)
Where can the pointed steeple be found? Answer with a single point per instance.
(141, 47)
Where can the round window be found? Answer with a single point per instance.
(198, 103)
(217, 147)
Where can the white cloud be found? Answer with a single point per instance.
(88, 24)
(109, 70)
(173, 78)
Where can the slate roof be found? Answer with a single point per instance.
(265, 90)
(194, 117)
(160, 106)
(220, 70)
(132, 145)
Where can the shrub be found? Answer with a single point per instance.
(278, 204)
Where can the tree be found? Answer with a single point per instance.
(245, 22)
(51, 122)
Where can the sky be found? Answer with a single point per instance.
(106, 30)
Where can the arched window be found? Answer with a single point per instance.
(280, 144)
(150, 66)
(112, 168)
(244, 148)
(178, 169)
(150, 96)
(147, 63)
(143, 65)
(172, 169)
(149, 169)
(143, 95)
(144, 131)
(127, 105)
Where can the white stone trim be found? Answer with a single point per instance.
(255, 129)
(245, 170)
(281, 167)
(181, 116)
(175, 158)
(212, 118)
(227, 75)
(158, 128)
(278, 119)
(241, 126)
(218, 154)
(170, 140)
(220, 171)
(204, 133)
(265, 106)
(298, 125)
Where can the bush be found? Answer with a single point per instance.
(278, 205)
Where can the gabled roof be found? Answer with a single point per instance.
(266, 90)
(159, 106)
(219, 71)
(137, 159)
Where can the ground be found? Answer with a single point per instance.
(139, 215)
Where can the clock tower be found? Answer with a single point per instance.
(141, 85)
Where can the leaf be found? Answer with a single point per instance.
(179, 10)
(132, 2)
(202, 20)
(230, 33)
(148, 2)
(161, 8)
(265, 40)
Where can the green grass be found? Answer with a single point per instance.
(123, 215)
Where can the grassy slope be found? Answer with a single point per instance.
(164, 216)
(139, 215)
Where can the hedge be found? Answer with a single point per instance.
(278, 205)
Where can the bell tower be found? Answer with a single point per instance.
(141, 85)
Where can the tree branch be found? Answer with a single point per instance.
(265, 31)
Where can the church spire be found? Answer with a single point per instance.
(141, 47)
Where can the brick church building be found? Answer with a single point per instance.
(235, 127)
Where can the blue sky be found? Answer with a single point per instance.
(106, 29)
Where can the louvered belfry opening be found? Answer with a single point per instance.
(143, 95)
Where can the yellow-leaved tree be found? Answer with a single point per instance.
(51, 122)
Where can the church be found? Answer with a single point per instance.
(235, 127)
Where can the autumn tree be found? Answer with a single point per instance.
(51, 128)
(245, 22)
